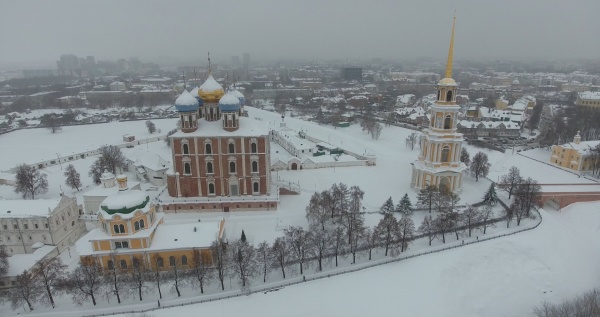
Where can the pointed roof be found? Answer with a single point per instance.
(210, 85)
(447, 80)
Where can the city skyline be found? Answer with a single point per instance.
(311, 30)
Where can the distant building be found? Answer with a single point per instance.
(588, 99)
(474, 129)
(577, 155)
(246, 57)
(31, 73)
(69, 66)
(352, 73)
(117, 86)
(48, 221)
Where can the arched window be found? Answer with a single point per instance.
(438, 95)
(231, 167)
(448, 122)
(255, 187)
(211, 188)
(186, 148)
(141, 223)
(122, 228)
(449, 95)
(160, 262)
(444, 184)
(136, 225)
(445, 154)
(187, 168)
(172, 261)
(111, 265)
(184, 260)
(231, 148)
(123, 264)
(254, 166)
(116, 229)
(207, 148)
(253, 148)
(209, 167)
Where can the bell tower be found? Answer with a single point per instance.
(439, 161)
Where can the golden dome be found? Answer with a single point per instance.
(211, 91)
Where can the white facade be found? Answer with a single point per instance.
(49, 221)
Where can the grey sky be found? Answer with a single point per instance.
(307, 29)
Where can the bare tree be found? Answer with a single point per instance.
(139, 275)
(376, 132)
(509, 182)
(177, 273)
(356, 240)
(319, 244)
(370, 240)
(51, 121)
(470, 217)
(264, 258)
(388, 233)
(406, 228)
(84, 282)
(115, 278)
(427, 227)
(353, 218)
(220, 261)
(243, 261)
(158, 263)
(338, 242)
(30, 182)
(316, 211)
(411, 140)
(25, 290)
(485, 216)
(50, 271)
(298, 240)
(3, 261)
(201, 269)
(150, 126)
(73, 178)
(111, 158)
(479, 166)
(441, 200)
(281, 252)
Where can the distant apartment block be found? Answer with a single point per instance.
(352, 73)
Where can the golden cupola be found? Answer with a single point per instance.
(211, 91)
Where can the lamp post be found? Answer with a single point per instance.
(59, 162)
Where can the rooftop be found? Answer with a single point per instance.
(248, 127)
(24, 208)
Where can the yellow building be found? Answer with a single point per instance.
(588, 99)
(130, 226)
(578, 156)
(439, 161)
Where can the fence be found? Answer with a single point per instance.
(317, 276)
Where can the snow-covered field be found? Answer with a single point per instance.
(502, 277)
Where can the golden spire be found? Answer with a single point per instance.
(450, 52)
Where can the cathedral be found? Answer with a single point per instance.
(439, 161)
(221, 159)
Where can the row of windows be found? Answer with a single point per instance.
(159, 262)
(187, 167)
(15, 226)
(208, 148)
(30, 238)
(211, 188)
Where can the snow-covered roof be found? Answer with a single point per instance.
(148, 159)
(229, 102)
(490, 124)
(248, 127)
(210, 85)
(120, 202)
(590, 95)
(186, 102)
(584, 147)
(27, 208)
(101, 191)
(17, 263)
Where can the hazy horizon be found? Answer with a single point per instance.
(38, 32)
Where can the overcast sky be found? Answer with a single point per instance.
(33, 31)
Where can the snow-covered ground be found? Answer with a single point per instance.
(503, 277)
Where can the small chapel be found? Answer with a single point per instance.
(439, 162)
